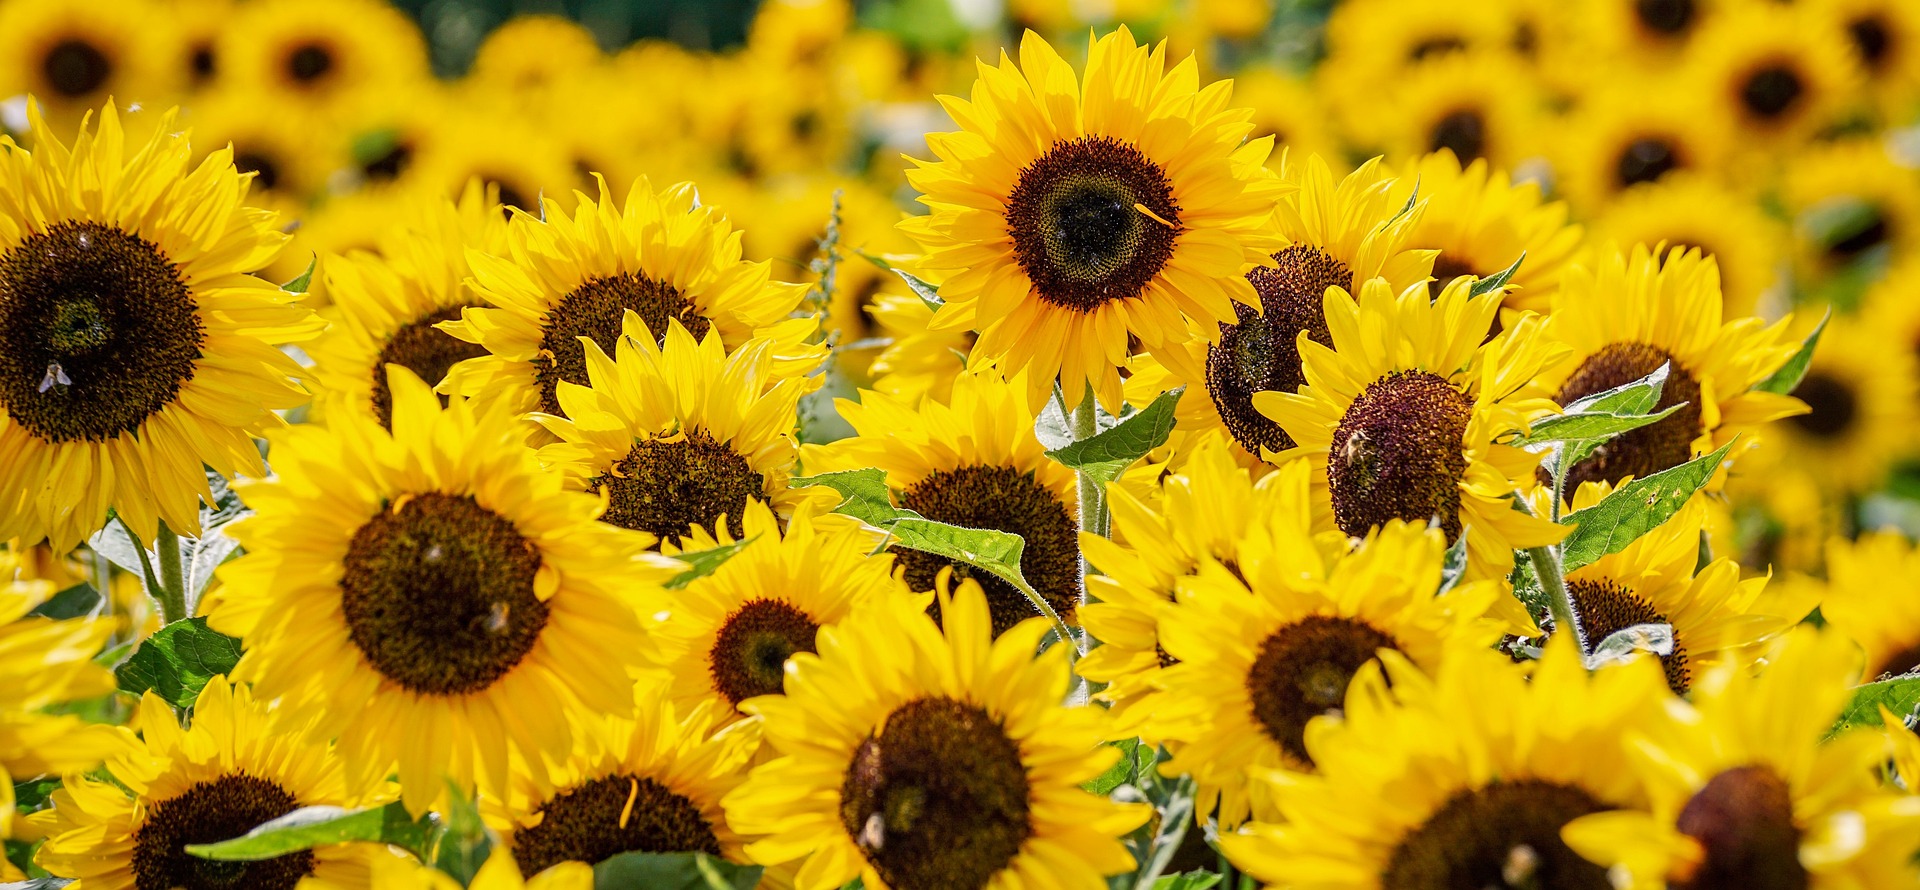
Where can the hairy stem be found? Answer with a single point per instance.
(1553, 580)
(172, 592)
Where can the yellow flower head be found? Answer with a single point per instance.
(1482, 221)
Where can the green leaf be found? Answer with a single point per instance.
(997, 552)
(76, 601)
(1623, 644)
(927, 293)
(1592, 421)
(1134, 757)
(309, 827)
(1454, 564)
(1900, 696)
(1496, 281)
(464, 841)
(703, 562)
(673, 871)
(177, 661)
(1589, 426)
(1784, 380)
(1193, 880)
(1633, 397)
(37, 884)
(32, 794)
(1108, 453)
(1633, 509)
(300, 284)
(864, 492)
(1154, 850)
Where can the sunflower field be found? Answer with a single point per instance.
(957, 444)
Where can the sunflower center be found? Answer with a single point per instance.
(97, 332)
(1397, 454)
(438, 594)
(1645, 160)
(939, 798)
(667, 487)
(1657, 446)
(1833, 406)
(1505, 836)
(309, 62)
(1260, 353)
(1743, 818)
(1871, 38)
(1871, 233)
(1008, 500)
(1606, 608)
(1901, 662)
(1302, 672)
(266, 173)
(74, 67)
(514, 197)
(1075, 229)
(390, 164)
(749, 654)
(609, 816)
(1667, 17)
(201, 62)
(1771, 91)
(423, 349)
(1463, 132)
(595, 310)
(222, 809)
(1437, 45)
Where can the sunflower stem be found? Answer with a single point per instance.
(172, 592)
(1553, 580)
(1093, 498)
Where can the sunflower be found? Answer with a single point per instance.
(240, 763)
(1400, 417)
(1620, 317)
(1257, 660)
(530, 53)
(385, 305)
(1863, 599)
(918, 361)
(198, 23)
(1372, 43)
(1747, 790)
(1338, 233)
(1482, 222)
(678, 435)
(1629, 132)
(659, 254)
(1686, 210)
(1463, 780)
(46, 664)
(1070, 214)
(383, 133)
(124, 369)
(651, 783)
(732, 632)
(1861, 391)
(915, 757)
(321, 52)
(478, 136)
(449, 609)
(1646, 34)
(1476, 105)
(73, 55)
(1286, 108)
(1885, 36)
(1782, 70)
(1851, 201)
(974, 462)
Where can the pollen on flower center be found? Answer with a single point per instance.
(1605, 608)
(1657, 446)
(1505, 836)
(749, 654)
(222, 809)
(937, 798)
(97, 332)
(438, 594)
(1743, 819)
(1075, 228)
(1397, 454)
(596, 310)
(611, 815)
(1260, 352)
(1302, 672)
(1008, 500)
(423, 349)
(666, 487)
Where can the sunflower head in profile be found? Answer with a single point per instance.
(1747, 790)
(649, 783)
(1853, 204)
(1261, 647)
(974, 462)
(1072, 212)
(321, 52)
(453, 591)
(1621, 316)
(1464, 779)
(732, 632)
(661, 255)
(386, 302)
(915, 756)
(1401, 414)
(1692, 210)
(1630, 133)
(72, 56)
(1482, 222)
(238, 764)
(135, 351)
(678, 436)
(1782, 71)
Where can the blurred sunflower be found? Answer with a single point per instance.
(453, 592)
(1476, 105)
(1619, 317)
(918, 361)
(1372, 43)
(910, 756)
(1286, 108)
(1482, 222)
(1070, 213)
(1649, 34)
(46, 664)
(477, 137)
(238, 764)
(1442, 782)
(1850, 201)
(73, 55)
(198, 23)
(651, 783)
(1885, 36)
(1627, 133)
(1864, 599)
(1259, 659)
(1692, 210)
(732, 632)
(317, 53)
(530, 54)
(568, 276)
(134, 351)
(1747, 790)
(385, 305)
(1862, 392)
(288, 164)
(973, 461)
(1781, 70)
(1400, 415)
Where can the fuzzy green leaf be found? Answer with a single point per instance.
(1900, 696)
(997, 552)
(1193, 880)
(1497, 280)
(673, 871)
(73, 602)
(1784, 380)
(1634, 509)
(465, 842)
(1454, 565)
(864, 492)
(1632, 397)
(309, 827)
(300, 284)
(1134, 757)
(177, 661)
(1108, 453)
(703, 562)
(1588, 426)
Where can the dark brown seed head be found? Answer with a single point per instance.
(1397, 454)
(611, 815)
(1505, 836)
(1008, 500)
(423, 349)
(75, 68)
(749, 654)
(1463, 132)
(1743, 819)
(1302, 672)
(1834, 406)
(1605, 608)
(309, 63)
(1645, 160)
(1872, 38)
(1074, 227)
(1771, 91)
(222, 809)
(667, 487)
(1259, 352)
(1667, 17)
(596, 310)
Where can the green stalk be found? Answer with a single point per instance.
(1093, 497)
(1553, 580)
(172, 592)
